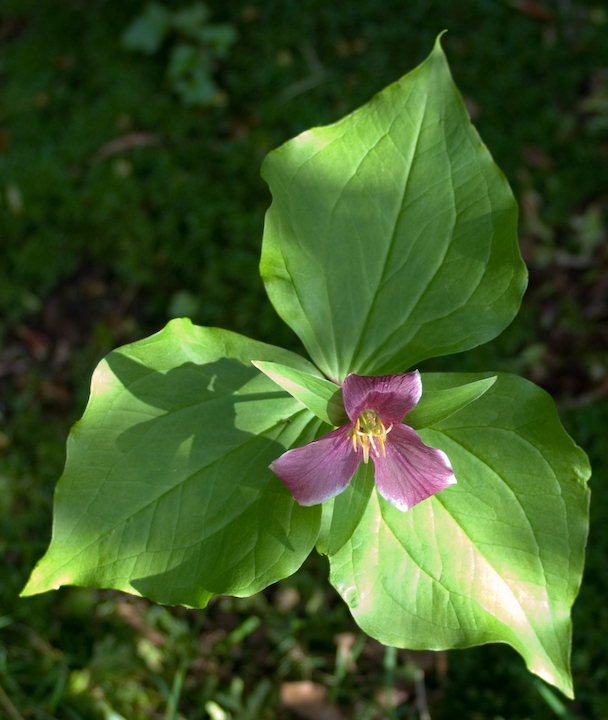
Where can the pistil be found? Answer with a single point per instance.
(369, 429)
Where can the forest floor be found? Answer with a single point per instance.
(125, 201)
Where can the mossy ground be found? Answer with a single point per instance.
(121, 208)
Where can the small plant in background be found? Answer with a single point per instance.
(197, 47)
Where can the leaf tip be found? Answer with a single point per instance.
(439, 36)
(36, 585)
(177, 324)
(437, 47)
(560, 680)
(437, 51)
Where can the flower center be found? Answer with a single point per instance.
(369, 429)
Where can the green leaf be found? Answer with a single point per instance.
(221, 37)
(166, 491)
(191, 19)
(497, 557)
(148, 30)
(392, 236)
(320, 396)
(439, 403)
(184, 58)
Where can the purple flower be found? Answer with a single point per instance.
(406, 470)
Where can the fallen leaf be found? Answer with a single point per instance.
(535, 157)
(127, 142)
(38, 343)
(308, 700)
(532, 9)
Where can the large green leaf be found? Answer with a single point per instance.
(392, 234)
(497, 557)
(166, 490)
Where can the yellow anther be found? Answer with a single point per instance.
(367, 430)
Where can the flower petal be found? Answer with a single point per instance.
(319, 470)
(411, 471)
(391, 397)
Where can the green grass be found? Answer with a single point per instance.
(100, 249)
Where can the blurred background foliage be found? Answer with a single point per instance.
(131, 137)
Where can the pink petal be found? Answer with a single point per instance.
(321, 469)
(411, 471)
(391, 397)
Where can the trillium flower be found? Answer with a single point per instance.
(406, 470)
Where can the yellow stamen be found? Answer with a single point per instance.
(367, 430)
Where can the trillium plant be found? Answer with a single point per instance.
(453, 508)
